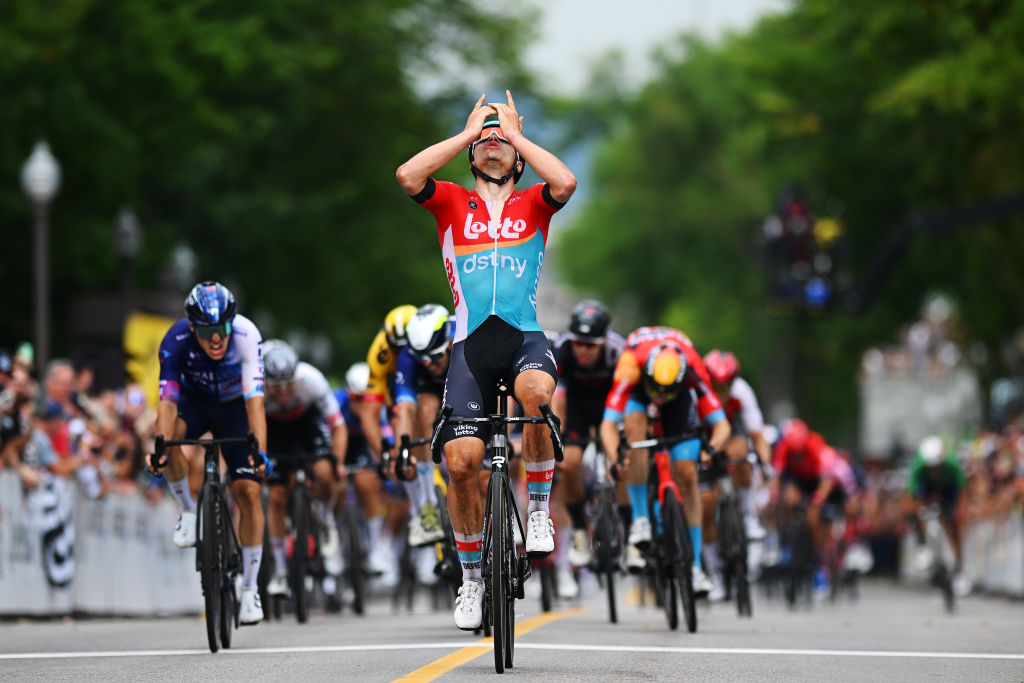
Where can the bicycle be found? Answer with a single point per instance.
(732, 537)
(306, 559)
(505, 570)
(608, 536)
(353, 547)
(940, 551)
(796, 557)
(218, 552)
(670, 552)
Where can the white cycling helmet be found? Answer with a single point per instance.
(932, 450)
(429, 331)
(357, 377)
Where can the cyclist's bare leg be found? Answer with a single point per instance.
(177, 466)
(428, 407)
(247, 498)
(465, 501)
(278, 501)
(570, 475)
(684, 472)
(635, 425)
(532, 388)
(952, 529)
(368, 485)
(709, 503)
(323, 472)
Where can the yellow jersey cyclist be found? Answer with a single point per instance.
(303, 422)
(492, 241)
(419, 387)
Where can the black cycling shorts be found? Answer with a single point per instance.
(583, 413)
(291, 442)
(494, 351)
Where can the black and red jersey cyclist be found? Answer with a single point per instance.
(492, 241)
(586, 355)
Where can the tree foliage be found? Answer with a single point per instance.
(882, 108)
(264, 134)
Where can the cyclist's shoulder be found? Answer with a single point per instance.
(380, 357)
(309, 375)
(176, 336)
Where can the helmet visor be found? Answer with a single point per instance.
(207, 332)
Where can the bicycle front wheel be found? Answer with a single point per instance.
(355, 558)
(210, 553)
(677, 534)
(300, 554)
(496, 572)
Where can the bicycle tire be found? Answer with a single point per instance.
(607, 548)
(300, 554)
(496, 572)
(681, 568)
(733, 542)
(613, 615)
(945, 581)
(227, 614)
(355, 570)
(547, 587)
(210, 556)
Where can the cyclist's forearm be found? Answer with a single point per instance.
(413, 174)
(549, 167)
(257, 420)
(610, 439)
(166, 415)
(369, 415)
(339, 441)
(720, 432)
(761, 447)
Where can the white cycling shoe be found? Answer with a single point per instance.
(469, 605)
(185, 532)
(701, 583)
(278, 584)
(753, 528)
(540, 534)
(640, 531)
(635, 561)
(250, 610)
(579, 553)
(565, 584)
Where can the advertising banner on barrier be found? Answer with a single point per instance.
(61, 553)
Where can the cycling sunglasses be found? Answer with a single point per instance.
(431, 356)
(207, 331)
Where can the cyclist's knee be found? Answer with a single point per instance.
(278, 498)
(464, 461)
(532, 388)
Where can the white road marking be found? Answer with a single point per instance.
(527, 646)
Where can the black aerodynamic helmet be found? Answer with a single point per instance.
(589, 322)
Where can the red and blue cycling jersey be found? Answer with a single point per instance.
(492, 254)
(184, 364)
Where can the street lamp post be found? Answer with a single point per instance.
(128, 238)
(40, 179)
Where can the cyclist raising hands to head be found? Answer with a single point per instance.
(492, 241)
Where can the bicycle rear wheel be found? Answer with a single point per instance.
(227, 613)
(496, 572)
(547, 584)
(210, 552)
(733, 548)
(680, 557)
(300, 553)
(607, 548)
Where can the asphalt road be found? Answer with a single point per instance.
(891, 633)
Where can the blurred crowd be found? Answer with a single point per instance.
(58, 426)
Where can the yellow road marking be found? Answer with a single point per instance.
(483, 646)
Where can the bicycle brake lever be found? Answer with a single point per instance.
(154, 458)
(435, 438)
(556, 430)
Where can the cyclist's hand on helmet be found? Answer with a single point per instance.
(480, 112)
(508, 117)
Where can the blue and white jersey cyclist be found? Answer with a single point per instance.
(492, 241)
(211, 379)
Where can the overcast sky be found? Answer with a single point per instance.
(574, 33)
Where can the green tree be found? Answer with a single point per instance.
(890, 108)
(265, 134)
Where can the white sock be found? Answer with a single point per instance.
(252, 555)
(426, 479)
(415, 493)
(374, 529)
(183, 494)
(563, 541)
(279, 548)
(711, 560)
(746, 497)
(324, 511)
